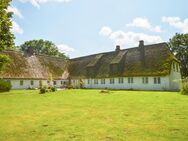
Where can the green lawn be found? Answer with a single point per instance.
(88, 115)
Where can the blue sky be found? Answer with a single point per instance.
(83, 27)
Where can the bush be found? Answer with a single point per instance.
(42, 90)
(53, 89)
(5, 86)
(184, 89)
(69, 86)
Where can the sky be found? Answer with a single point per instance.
(84, 27)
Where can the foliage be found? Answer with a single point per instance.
(3, 60)
(179, 46)
(4, 85)
(6, 37)
(42, 90)
(53, 89)
(184, 89)
(42, 47)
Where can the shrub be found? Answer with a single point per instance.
(184, 89)
(53, 89)
(69, 86)
(5, 86)
(42, 90)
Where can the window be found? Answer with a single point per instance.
(173, 64)
(96, 81)
(145, 80)
(157, 80)
(130, 79)
(177, 67)
(40, 83)
(88, 81)
(48, 82)
(61, 82)
(121, 80)
(21, 82)
(55, 82)
(111, 80)
(32, 82)
(102, 81)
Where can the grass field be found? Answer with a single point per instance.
(88, 115)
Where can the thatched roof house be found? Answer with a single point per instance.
(148, 60)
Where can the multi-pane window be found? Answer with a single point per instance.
(120, 80)
(61, 82)
(21, 82)
(88, 81)
(95, 81)
(111, 80)
(130, 79)
(32, 82)
(145, 80)
(157, 80)
(102, 81)
(55, 82)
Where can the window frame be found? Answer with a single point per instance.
(21, 82)
(121, 80)
(112, 81)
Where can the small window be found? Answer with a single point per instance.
(48, 82)
(96, 81)
(177, 67)
(55, 82)
(173, 64)
(145, 80)
(32, 82)
(40, 83)
(120, 80)
(130, 79)
(61, 82)
(102, 81)
(111, 80)
(88, 81)
(157, 80)
(21, 82)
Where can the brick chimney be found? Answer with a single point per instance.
(118, 48)
(142, 51)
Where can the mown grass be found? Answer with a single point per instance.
(88, 115)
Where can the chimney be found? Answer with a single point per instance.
(142, 51)
(118, 48)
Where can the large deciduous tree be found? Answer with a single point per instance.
(6, 37)
(179, 46)
(42, 47)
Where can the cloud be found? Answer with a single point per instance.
(16, 11)
(145, 24)
(37, 3)
(65, 48)
(130, 38)
(16, 28)
(105, 31)
(177, 23)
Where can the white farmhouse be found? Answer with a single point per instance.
(146, 67)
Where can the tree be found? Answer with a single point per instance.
(6, 37)
(179, 46)
(42, 47)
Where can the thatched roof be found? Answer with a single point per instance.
(126, 62)
(34, 67)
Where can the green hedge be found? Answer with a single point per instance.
(184, 89)
(5, 86)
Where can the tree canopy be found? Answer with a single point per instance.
(42, 47)
(6, 37)
(179, 46)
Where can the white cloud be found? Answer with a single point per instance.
(105, 31)
(37, 3)
(145, 24)
(130, 38)
(16, 28)
(65, 48)
(16, 11)
(177, 23)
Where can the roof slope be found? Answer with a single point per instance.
(157, 62)
(34, 67)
